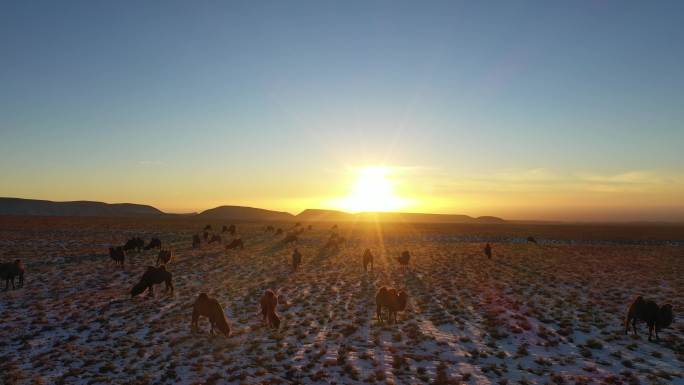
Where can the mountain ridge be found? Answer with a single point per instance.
(36, 207)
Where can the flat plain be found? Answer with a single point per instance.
(551, 312)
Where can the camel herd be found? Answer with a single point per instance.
(387, 298)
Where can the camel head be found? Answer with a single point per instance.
(138, 289)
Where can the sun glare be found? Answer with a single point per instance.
(373, 190)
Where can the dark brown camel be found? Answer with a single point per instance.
(235, 243)
(367, 259)
(196, 241)
(488, 250)
(155, 243)
(289, 238)
(117, 255)
(656, 317)
(10, 270)
(268, 302)
(391, 299)
(296, 259)
(210, 308)
(215, 238)
(404, 258)
(136, 244)
(153, 276)
(531, 239)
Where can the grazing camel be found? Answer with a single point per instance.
(10, 270)
(210, 308)
(391, 299)
(235, 243)
(656, 317)
(367, 259)
(296, 259)
(279, 231)
(153, 276)
(215, 238)
(136, 244)
(531, 239)
(404, 258)
(268, 302)
(164, 257)
(289, 238)
(118, 255)
(196, 241)
(155, 243)
(488, 250)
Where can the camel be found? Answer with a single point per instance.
(279, 231)
(232, 230)
(268, 302)
(404, 258)
(289, 238)
(136, 244)
(196, 241)
(391, 299)
(153, 276)
(207, 228)
(269, 228)
(155, 243)
(296, 259)
(215, 238)
(205, 234)
(367, 259)
(210, 308)
(656, 317)
(117, 255)
(224, 229)
(164, 257)
(531, 239)
(10, 270)
(488, 250)
(235, 243)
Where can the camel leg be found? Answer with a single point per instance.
(378, 311)
(650, 330)
(634, 326)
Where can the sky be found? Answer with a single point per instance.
(520, 109)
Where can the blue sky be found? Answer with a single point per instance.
(189, 104)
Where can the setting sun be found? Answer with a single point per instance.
(373, 190)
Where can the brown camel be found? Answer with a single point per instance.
(210, 308)
(367, 259)
(268, 302)
(656, 317)
(392, 299)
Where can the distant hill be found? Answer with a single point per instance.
(18, 206)
(340, 216)
(245, 213)
(318, 215)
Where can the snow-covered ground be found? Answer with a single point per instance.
(549, 313)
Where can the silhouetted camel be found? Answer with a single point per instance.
(531, 239)
(155, 243)
(117, 255)
(10, 270)
(205, 235)
(334, 227)
(404, 258)
(235, 243)
(215, 238)
(279, 231)
(196, 241)
(488, 250)
(164, 257)
(134, 244)
(210, 308)
(296, 259)
(207, 228)
(656, 317)
(289, 238)
(232, 229)
(367, 259)
(153, 276)
(224, 229)
(269, 229)
(391, 299)
(268, 302)
(310, 227)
